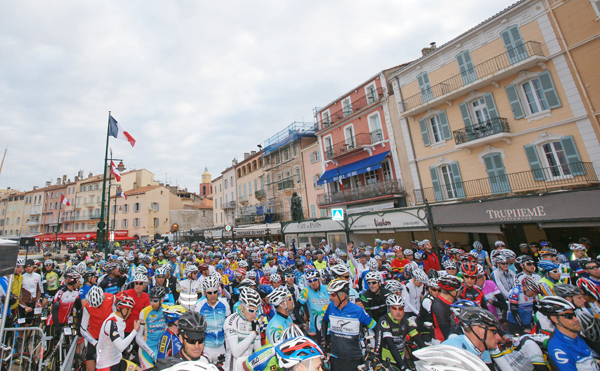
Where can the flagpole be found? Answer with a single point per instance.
(108, 202)
(101, 224)
(58, 223)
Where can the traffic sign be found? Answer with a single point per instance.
(227, 228)
(337, 214)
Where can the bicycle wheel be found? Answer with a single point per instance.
(24, 361)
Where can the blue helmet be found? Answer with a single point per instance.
(293, 351)
(173, 312)
(547, 266)
(463, 303)
(264, 290)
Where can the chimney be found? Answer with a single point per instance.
(252, 153)
(64, 179)
(246, 155)
(69, 181)
(58, 181)
(34, 187)
(134, 186)
(431, 48)
(90, 175)
(48, 183)
(80, 174)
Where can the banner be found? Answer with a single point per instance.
(9, 251)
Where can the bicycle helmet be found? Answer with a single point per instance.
(588, 288)
(161, 271)
(311, 274)
(124, 301)
(449, 264)
(251, 275)
(266, 270)
(146, 260)
(478, 316)
(480, 270)
(477, 245)
(590, 325)
(123, 268)
(373, 265)
(243, 264)
(419, 275)
(95, 297)
(72, 277)
(548, 250)
(408, 252)
(81, 267)
(553, 305)
(499, 258)
(433, 282)
(278, 296)
(338, 285)
(372, 276)
(140, 278)
(565, 290)
(393, 300)
(293, 351)
(275, 278)
(418, 255)
(468, 268)
(530, 284)
(173, 312)
(48, 262)
(29, 262)
(291, 332)
(449, 283)
(250, 298)
(577, 247)
(192, 325)
(157, 292)
(339, 270)
(247, 282)
(547, 266)
(522, 259)
(190, 269)
(211, 283)
(393, 286)
(447, 358)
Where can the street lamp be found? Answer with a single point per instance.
(102, 226)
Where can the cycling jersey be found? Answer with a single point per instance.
(169, 345)
(110, 284)
(504, 280)
(481, 257)
(215, 318)
(51, 282)
(398, 265)
(442, 318)
(94, 317)
(189, 287)
(374, 303)
(473, 294)
(241, 341)
(112, 342)
(276, 325)
(263, 359)
(412, 297)
(31, 288)
(570, 354)
(64, 301)
(547, 286)
(523, 354)
(392, 336)
(316, 302)
(463, 342)
(521, 307)
(141, 302)
(345, 329)
(83, 290)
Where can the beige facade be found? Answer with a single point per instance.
(13, 214)
(230, 195)
(311, 164)
(217, 185)
(250, 183)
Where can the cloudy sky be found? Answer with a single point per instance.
(197, 83)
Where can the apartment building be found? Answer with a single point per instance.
(311, 163)
(251, 189)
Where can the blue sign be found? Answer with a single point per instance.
(337, 214)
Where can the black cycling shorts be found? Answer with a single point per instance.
(90, 353)
(27, 315)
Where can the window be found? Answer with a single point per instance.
(447, 181)
(375, 128)
(559, 157)
(326, 118)
(435, 129)
(136, 222)
(125, 208)
(155, 222)
(557, 161)
(465, 65)
(323, 213)
(346, 107)
(249, 188)
(313, 211)
(76, 226)
(124, 223)
(349, 135)
(424, 87)
(371, 93)
(225, 183)
(136, 207)
(298, 176)
(96, 212)
(317, 156)
(328, 147)
(513, 43)
(155, 206)
(96, 186)
(535, 98)
(538, 95)
(494, 166)
(480, 110)
(387, 172)
(596, 6)
(372, 177)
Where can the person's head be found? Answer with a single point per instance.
(562, 314)
(160, 275)
(501, 262)
(373, 280)
(313, 279)
(469, 273)
(124, 304)
(48, 265)
(90, 277)
(433, 287)
(398, 252)
(477, 246)
(571, 293)
(527, 264)
(394, 286)
(481, 327)
(299, 354)
(362, 258)
(72, 280)
(156, 295)
(66, 258)
(451, 267)
(95, 296)
(427, 245)
(140, 281)
(589, 289)
(204, 269)
(192, 327)
(530, 287)
(419, 277)
(338, 292)
(211, 287)
(282, 300)
(549, 269)
(578, 250)
(191, 271)
(499, 245)
(395, 305)
(29, 265)
(449, 286)
(251, 301)
(592, 268)
(289, 277)
(172, 313)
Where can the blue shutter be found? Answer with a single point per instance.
(496, 173)
(534, 162)
(572, 154)
(549, 91)
(513, 43)
(515, 102)
(445, 127)
(464, 111)
(491, 105)
(313, 211)
(436, 183)
(458, 183)
(311, 158)
(424, 132)
(424, 87)
(317, 156)
(466, 68)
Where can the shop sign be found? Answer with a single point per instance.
(322, 225)
(256, 232)
(410, 218)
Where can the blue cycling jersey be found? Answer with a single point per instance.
(154, 328)
(317, 302)
(570, 354)
(215, 319)
(481, 259)
(276, 326)
(344, 325)
(525, 303)
(83, 291)
(169, 345)
(463, 342)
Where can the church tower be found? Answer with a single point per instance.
(206, 185)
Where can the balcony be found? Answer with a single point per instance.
(229, 205)
(522, 57)
(532, 181)
(387, 188)
(288, 183)
(260, 194)
(357, 105)
(354, 143)
(482, 133)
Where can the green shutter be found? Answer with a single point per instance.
(513, 43)
(458, 183)
(318, 155)
(572, 154)
(491, 105)
(534, 162)
(494, 167)
(424, 132)
(445, 127)
(515, 102)
(311, 158)
(549, 91)
(436, 183)
(424, 87)
(464, 111)
(466, 68)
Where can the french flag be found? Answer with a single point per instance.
(65, 201)
(117, 131)
(121, 194)
(114, 171)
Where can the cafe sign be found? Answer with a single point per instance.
(319, 225)
(402, 219)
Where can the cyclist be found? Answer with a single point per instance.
(190, 288)
(591, 294)
(503, 277)
(483, 258)
(413, 292)
(314, 299)
(112, 341)
(343, 320)
(282, 300)
(192, 327)
(110, 282)
(393, 330)
(528, 268)
(521, 301)
(140, 299)
(567, 350)
(97, 308)
(373, 299)
(481, 333)
(290, 285)
(51, 277)
(243, 330)
(590, 330)
(65, 300)
(592, 267)
(90, 277)
(551, 276)
(442, 315)
(425, 314)
(215, 310)
(450, 268)
(153, 325)
(160, 279)
(299, 354)
(31, 291)
(169, 342)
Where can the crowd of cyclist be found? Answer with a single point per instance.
(249, 305)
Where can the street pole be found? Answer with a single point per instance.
(101, 224)
(57, 226)
(432, 228)
(108, 203)
(115, 215)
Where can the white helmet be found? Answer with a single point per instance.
(140, 278)
(291, 332)
(190, 269)
(95, 296)
(590, 325)
(373, 265)
(81, 268)
(192, 366)
(251, 275)
(275, 278)
(447, 358)
(141, 270)
(339, 270)
(211, 283)
(372, 276)
(433, 283)
(337, 285)
(393, 300)
(394, 286)
(419, 275)
(278, 296)
(250, 298)
(20, 261)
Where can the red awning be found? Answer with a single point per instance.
(79, 236)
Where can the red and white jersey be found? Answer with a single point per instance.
(64, 300)
(112, 342)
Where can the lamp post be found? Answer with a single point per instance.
(102, 226)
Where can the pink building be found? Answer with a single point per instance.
(311, 161)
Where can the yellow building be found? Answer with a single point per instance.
(493, 114)
(250, 181)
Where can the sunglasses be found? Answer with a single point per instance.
(288, 276)
(371, 283)
(470, 277)
(436, 290)
(155, 300)
(494, 331)
(397, 308)
(594, 267)
(161, 276)
(313, 280)
(530, 264)
(502, 263)
(140, 283)
(346, 277)
(194, 341)
(251, 311)
(211, 293)
(567, 315)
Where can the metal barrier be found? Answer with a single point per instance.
(68, 361)
(26, 348)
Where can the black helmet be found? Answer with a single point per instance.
(449, 283)
(29, 262)
(157, 292)
(89, 274)
(565, 290)
(478, 316)
(192, 325)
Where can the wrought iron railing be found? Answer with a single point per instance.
(229, 205)
(543, 179)
(288, 183)
(481, 130)
(352, 143)
(467, 76)
(260, 193)
(385, 188)
(362, 102)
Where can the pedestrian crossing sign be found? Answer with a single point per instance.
(337, 214)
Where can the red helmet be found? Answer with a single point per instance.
(468, 268)
(449, 283)
(588, 288)
(530, 284)
(124, 301)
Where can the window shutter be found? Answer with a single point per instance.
(458, 184)
(515, 103)
(466, 68)
(464, 110)
(425, 87)
(311, 158)
(572, 154)
(534, 162)
(494, 167)
(508, 42)
(445, 127)
(549, 91)
(436, 183)
(424, 132)
(318, 155)
(491, 105)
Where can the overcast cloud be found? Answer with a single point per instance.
(197, 83)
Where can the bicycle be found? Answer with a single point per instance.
(58, 355)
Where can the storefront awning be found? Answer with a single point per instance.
(356, 168)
